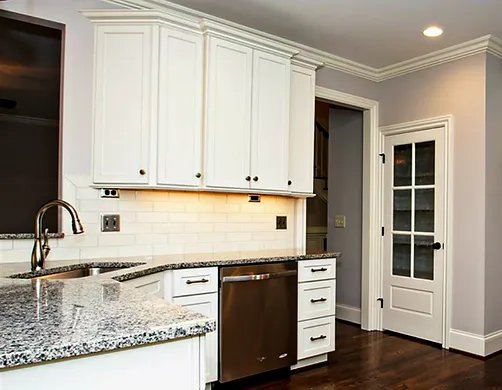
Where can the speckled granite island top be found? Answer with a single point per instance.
(54, 319)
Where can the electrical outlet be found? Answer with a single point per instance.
(281, 222)
(339, 221)
(110, 223)
(109, 193)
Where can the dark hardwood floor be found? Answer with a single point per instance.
(375, 360)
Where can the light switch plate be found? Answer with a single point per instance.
(339, 221)
(281, 222)
(110, 223)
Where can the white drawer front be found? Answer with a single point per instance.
(195, 281)
(316, 337)
(149, 285)
(320, 269)
(316, 299)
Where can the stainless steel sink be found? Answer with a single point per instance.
(78, 273)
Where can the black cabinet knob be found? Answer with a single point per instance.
(436, 246)
(256, 178)
(198, 175)
(289, 182)
(142, 172)
(248, 178)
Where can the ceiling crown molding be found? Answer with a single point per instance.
(485, 44)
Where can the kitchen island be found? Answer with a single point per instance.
(95, 332)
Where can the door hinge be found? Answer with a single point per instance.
(381, 302)
(383, 231)
(383, 157)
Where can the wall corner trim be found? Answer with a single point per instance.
(348, 313)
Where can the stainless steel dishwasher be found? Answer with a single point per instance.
(258, 319)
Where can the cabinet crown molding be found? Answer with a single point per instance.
(306, 62)
(220, 30)
(130, 16)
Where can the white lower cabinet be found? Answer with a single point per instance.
(206, 304)
(149, 285)
(316, 310)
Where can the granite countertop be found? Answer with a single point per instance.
(26, 236)
(53, 319)
(43, 320)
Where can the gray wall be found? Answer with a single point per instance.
(493, 263)
(456, 88)
(343, 82)
(345, 197)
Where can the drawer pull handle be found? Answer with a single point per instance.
(318, 269)
(321, 337)
(203, 280)
(318, 300)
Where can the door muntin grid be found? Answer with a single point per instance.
(413, 210)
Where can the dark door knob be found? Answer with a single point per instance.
(142, 172)
(289, 182)
(248, 178)
(436, 245)
(255, 178)
(198, 175)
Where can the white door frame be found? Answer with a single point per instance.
(445, 122)
(371, 283)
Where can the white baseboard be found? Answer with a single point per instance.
(476, 344)
(348, 313)
(493, 342)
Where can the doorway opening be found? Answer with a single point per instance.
(334, 215)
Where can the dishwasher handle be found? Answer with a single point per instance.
(246, 278)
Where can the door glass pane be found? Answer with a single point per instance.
(424, 210)
(424, 163)
(401, 255)
(424, 258)
(402, 165)
(402, 210)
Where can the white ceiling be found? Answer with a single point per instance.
(376, 33)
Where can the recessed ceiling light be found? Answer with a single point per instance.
(433, 31)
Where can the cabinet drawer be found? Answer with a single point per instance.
(195, 281)
(149, 285)
(316, 337)
(320, 269)
(316, 299)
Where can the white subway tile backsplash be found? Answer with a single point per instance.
(212, 237)
(115, 239)
(169, 207)
(135, 206)
(199, 227)
(165, 222)
(87, 193)
(151, 239)
(168, 228)
(102, 205)
(136, 250)
(99, 252)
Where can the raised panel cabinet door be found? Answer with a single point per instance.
(205, 304)
(180, 86)
(122, 104)
(228, 114)
(301, 136)
(270, 122)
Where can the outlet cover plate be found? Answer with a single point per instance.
(281, 222)
(110, 223)
(339, 221)
(109, 193)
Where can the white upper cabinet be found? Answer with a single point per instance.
(180, 98)
(122, 104)
(301, 136)
(228, 114)
(270, 122)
